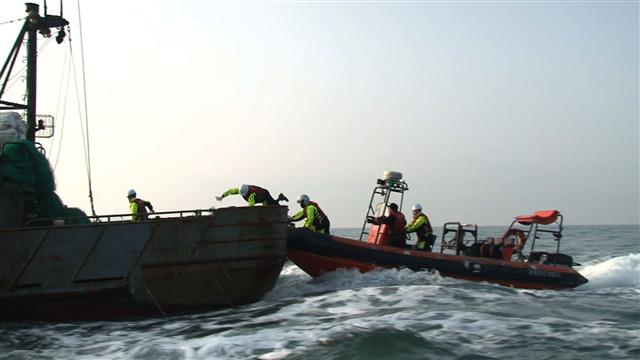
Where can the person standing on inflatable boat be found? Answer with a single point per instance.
(396, 221)
(422, 227)
(253, 195)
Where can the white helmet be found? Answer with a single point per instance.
(131, 193)
(303, 200)
(244, 189)
(417, 207)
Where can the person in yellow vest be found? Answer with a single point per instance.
(253, 195)
(138, 207)
(316, 219)
(422, 227)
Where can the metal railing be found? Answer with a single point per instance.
(384, 189)
(113, 218)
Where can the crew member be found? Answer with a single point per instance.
(422, 227)
(316, 219)
(253, 195)
(396, 222)
(138, 207)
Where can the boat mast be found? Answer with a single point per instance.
(33, 14)
(33, 24)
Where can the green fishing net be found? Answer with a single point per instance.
(24, 168)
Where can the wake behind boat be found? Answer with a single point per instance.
(462, 255)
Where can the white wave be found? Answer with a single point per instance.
(275, 355)
(293, 282)
(621, 271)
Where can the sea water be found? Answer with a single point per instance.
(385, 314)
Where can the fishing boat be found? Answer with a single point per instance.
(502, 260)
(58, 264)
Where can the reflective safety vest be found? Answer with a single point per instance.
(425, 229)
(320, 220)
(139, 211)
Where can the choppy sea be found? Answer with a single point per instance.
(386, 314)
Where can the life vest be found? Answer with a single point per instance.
(399, 222)
(261, 194)
(321, 221)
(425, 229)
(142, 209)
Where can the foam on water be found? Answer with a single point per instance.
(295, 282)
(380, 314)
(621, 271)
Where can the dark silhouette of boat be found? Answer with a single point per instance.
(462, 255)
(58, 264)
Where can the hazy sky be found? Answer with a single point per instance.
(490, 109)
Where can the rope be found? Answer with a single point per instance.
(84, 138)
(11, 21)
(153, 298)
(86, 110)
(64, 106)
(18, 73)
(85, 141)
(62, 73)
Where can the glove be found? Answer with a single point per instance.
(219, 198)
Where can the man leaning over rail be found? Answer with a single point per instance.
(253, 195)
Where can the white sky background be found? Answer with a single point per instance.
(490, 109)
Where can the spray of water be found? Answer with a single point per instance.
(621, 271)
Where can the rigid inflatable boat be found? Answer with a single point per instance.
(511, 259)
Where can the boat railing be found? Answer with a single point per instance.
(383, 191)
(458, 241)
(115, 218)
(534, 230)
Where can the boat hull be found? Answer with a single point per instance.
(106, 271)
(317, 254)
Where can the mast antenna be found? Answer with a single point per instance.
(33, 24)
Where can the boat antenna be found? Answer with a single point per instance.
(34, 23)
